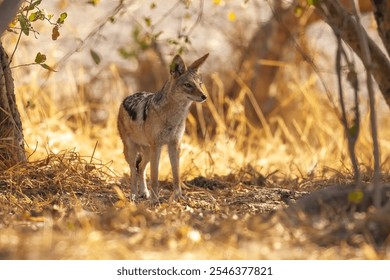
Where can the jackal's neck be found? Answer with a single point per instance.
(160, 97)
(165, 97)
(165, 89)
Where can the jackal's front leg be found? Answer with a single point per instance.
(155, 152)
(174, 157)
(130, 152)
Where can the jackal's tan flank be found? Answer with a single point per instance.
(147, 121)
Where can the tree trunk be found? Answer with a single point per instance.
(382, 17)
(8, 9)
(11, 132)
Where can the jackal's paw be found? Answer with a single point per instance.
(144, 195)
(133, 197)
(154, 199)
(179, 196)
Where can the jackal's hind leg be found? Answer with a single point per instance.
(141, 163)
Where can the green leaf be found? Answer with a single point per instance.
(148, 21)
(62, 18)
(181, 50)
(95, 56)
(40, 58)
(173, 42)
(37, 15)
(36, 3)
(33, 17)
(355, 196)
(188, 15)
(23, 24)
(93, 2)
(55, 33)
(187, 3)
(136, 33)
(298, 11)
(127, 54)
(312, 2)
(353, 130)
(30, 104)
(47, 67)
(32, 5)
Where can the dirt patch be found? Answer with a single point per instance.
(67, 207)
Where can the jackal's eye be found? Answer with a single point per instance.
(188, 85)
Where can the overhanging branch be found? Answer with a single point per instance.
(344, 24)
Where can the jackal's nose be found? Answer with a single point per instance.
(204, 97)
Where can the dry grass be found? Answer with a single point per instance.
(71, 200)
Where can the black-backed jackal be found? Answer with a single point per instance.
(147, 121)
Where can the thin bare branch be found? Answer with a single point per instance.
(368, 64)
(351, 131)
(95, 31)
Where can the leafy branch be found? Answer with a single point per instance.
(40, 59)
(147, 31)
(29, 13)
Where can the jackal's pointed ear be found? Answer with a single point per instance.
(197, 63)
(177, 67)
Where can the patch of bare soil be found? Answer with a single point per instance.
(68, 207)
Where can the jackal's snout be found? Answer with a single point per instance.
(203, 98)
(198, 96)
(202, 94)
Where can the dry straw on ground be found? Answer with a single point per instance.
(67, 207)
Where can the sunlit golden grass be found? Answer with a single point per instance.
(71, 200)
(302, 136)
(48, 127)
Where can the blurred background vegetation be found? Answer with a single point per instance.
(273, 78)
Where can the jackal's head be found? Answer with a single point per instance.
(186, 82)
